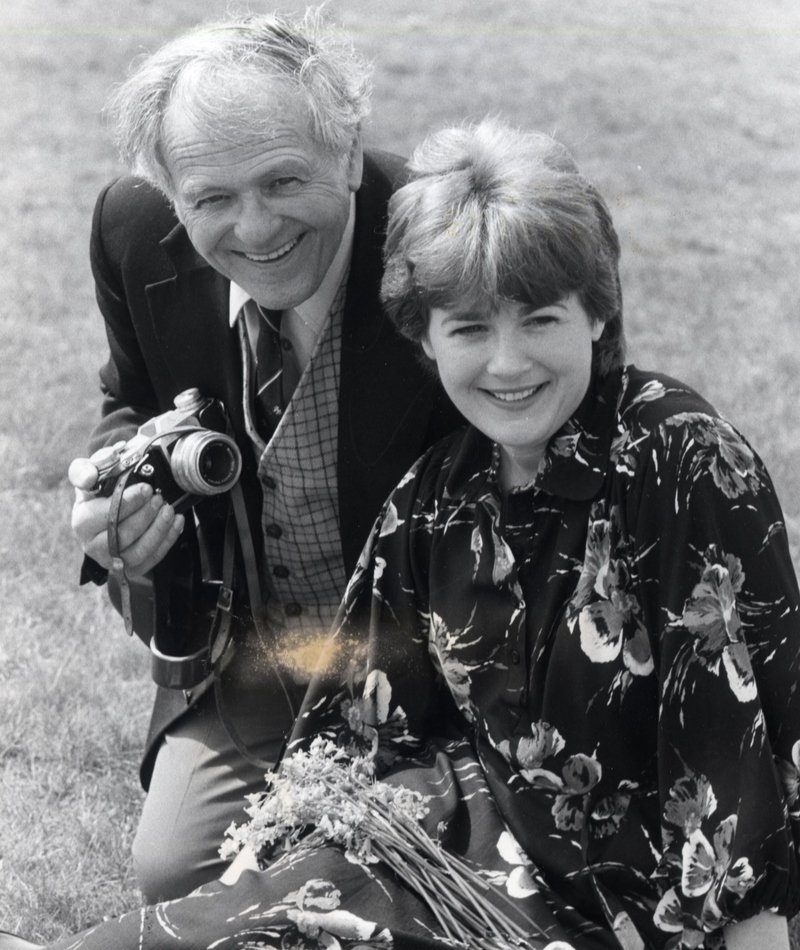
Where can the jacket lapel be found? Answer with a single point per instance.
(190, 319)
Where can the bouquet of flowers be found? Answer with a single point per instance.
(324, 795)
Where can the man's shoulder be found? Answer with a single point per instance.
(385, 167)
(131, 219)
(131, 206)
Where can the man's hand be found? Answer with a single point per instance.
(147, 526)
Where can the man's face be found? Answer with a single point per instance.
(268, 214)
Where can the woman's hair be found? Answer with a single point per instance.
(495, 214)
(226, 75)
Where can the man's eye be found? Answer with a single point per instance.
(287, 181)
(207, 200)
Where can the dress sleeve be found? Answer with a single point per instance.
(720, 596)
(376, 692)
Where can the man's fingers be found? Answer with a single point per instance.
(82, 474)
(151, 546)
(90, 514)
(147, 527)
(136, 515)
(161, 548)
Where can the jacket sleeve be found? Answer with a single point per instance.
(129, 221)
(129, 397)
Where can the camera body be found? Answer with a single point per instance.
(185, 453)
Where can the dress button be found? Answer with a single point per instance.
(293, 610)
(274, 531)
(286, 344)
(280, 570)
(515, 657)
(269, 482)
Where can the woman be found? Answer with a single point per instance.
(575, 625)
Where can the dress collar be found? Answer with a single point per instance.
(575, 462)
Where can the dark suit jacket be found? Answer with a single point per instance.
(166, 313)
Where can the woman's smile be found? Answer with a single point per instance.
(515, 398)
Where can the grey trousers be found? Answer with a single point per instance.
(197, 789)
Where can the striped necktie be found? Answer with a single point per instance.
(269, 400)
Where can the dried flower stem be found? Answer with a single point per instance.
(322, 795)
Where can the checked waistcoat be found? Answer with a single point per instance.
(303, 569)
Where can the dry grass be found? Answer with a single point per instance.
(685, 114)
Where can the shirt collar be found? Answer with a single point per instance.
(576, 459)
(315, 310)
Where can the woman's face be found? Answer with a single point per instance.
(517, 374)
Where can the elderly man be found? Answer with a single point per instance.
(245, 257)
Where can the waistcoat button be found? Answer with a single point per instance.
(293, 610)
(280, 570)
(269, 482)
(274, 531)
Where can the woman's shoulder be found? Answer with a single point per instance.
(652, 398)
(662, 422)
(653, 407)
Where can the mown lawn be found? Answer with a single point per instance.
(687, 115)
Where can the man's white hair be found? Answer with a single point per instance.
(226, 74)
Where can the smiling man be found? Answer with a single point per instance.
(243, 258)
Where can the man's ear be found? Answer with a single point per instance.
(355, 163)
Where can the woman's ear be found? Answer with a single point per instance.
(426, 346)
(597, 330)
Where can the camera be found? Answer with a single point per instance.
(184, 453)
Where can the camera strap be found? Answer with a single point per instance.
(220, 628)
(117, 569)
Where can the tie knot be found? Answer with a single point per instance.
(271, 317)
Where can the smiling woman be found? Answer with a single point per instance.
(517, 373)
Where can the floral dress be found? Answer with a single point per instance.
(596, 674)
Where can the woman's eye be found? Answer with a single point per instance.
(544, 320)
(469, 329)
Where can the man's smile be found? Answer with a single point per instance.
(274, 255)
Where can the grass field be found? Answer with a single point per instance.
(687, 115)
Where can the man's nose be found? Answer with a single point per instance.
(257, 222)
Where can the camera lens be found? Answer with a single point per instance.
(206, 463)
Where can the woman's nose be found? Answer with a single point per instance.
(509, 355)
